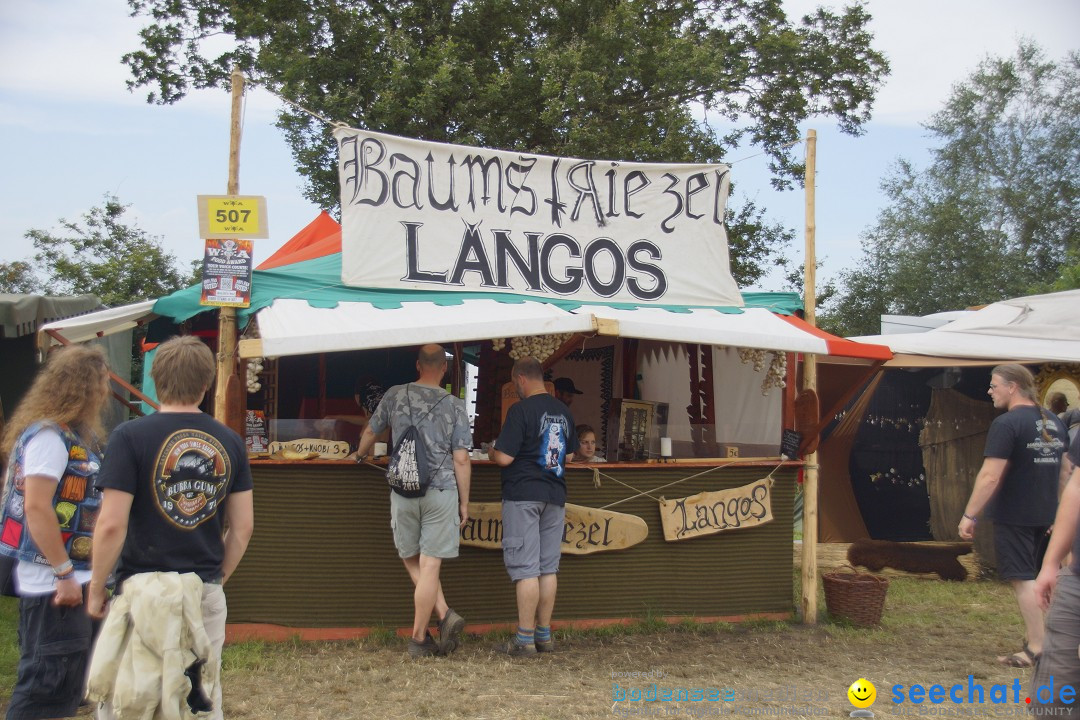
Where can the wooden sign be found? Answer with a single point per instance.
(587, 530)
(332, 449)
(712, 512)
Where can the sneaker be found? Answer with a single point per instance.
(514, 649)
(545, 646)
(427, 648)
(450, 628)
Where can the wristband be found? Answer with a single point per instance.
(63, 569)
(972, 519)
(69, 575)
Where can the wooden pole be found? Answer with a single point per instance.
(226, 356)
(810, 476)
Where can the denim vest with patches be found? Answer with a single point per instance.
(76, 501)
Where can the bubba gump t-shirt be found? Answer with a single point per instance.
(180, 468)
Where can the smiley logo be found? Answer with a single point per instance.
(862, 693)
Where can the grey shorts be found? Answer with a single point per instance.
(531, 538)
(426, 525)
(1059, 665)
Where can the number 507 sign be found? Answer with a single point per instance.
(233, 216)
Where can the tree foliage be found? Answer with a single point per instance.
(636, 80)
(18, 277)
(994, 215)
(105, 256)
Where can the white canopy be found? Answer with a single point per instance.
(294, 327)
(103, 322)
(1037, 328)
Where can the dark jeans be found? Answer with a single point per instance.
(54, 645)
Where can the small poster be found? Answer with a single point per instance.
(255, 432)
(226, 275)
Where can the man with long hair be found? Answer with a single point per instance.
(1017, 487)
(52, 447)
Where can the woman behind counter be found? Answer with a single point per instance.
(586, 452)
(52, 447)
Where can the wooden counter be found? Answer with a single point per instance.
(323, 556)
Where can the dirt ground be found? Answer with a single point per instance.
(937, 636)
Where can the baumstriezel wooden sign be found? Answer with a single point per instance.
(586, 530)
(712, 512)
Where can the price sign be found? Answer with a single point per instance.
(232, 216)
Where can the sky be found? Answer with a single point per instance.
(72, 131)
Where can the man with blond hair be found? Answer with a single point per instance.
(177, 494)
(427, 528)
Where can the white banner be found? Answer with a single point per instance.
(429, 216)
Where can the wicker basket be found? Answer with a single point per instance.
(856, 597)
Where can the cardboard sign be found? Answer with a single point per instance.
(711, 512)
(330, 449)
(587, 530)
(234, 216)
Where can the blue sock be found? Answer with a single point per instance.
(524, 637)
(543, 633)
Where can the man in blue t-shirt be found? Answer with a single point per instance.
(536, 442)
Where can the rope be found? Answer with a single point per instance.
(597, 474)
(301, 108)
(765, 152)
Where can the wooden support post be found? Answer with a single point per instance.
(810, 476)
(226, 354)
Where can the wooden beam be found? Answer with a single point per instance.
(115, 378)
(606, 326)
(251, 348)
(563, 350)
(809, 585)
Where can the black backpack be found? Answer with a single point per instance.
(407, 470)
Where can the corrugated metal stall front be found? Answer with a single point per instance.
(322, 554)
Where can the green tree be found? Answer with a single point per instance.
(637, 80)
(994, 214)
(18, 277)
(108, 257)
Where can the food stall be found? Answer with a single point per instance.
(689, 393)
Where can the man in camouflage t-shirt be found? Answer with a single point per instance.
(426, 529)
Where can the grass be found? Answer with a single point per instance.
(924, 620)
(9, 643)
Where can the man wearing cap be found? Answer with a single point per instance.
(565, 391)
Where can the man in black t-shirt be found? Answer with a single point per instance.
(1017, 487)
(536, 442)
(172, 481)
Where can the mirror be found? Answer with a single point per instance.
(1064, 379)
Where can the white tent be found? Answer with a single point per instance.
(1036, 328)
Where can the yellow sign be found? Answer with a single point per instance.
(712, 512)
(586, 529)
(233, 216)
